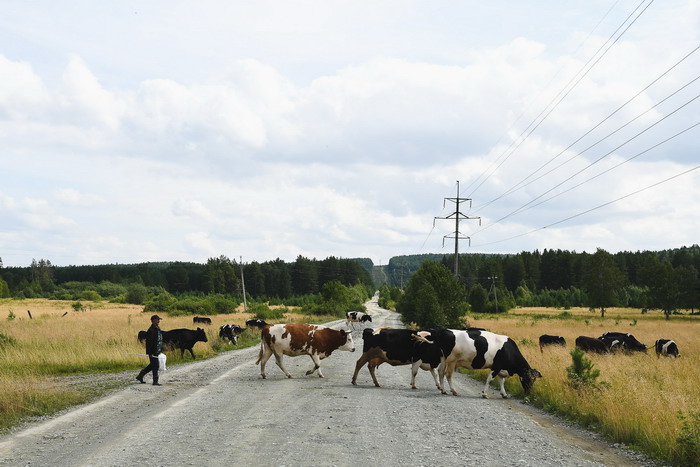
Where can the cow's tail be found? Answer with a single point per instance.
(422, 339)
(262, 347)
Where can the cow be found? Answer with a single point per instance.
(142, 336)
(255, 323)
(398, 347)
(591, 344)
(316, 341)
(230, 332)
(477, 349)
(201, 319)
(623, 341)
(352, 317)
(546, 339)
(667, 348)
(183, 339)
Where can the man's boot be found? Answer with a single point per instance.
(155, 381)
(140, 377)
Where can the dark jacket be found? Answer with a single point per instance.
(154, 340)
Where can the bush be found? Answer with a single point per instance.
(161, 303)
(689, 439)
(264, 312)
(90, 295)
(136, 294)
(581, 373)
(6, 340)
(194, 306)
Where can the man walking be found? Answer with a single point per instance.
(154, 346)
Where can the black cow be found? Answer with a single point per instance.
(142, 336)
(255, 323)
(201, 319)
(476, 349)
(546, 339)
(667, 348)
(183, 339)
(591, 344)
(398, 347)
(230, 332)
(352, 317)
(623, 341)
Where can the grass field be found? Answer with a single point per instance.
(640, 402)
(56, 342)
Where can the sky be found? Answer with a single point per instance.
(174, 130)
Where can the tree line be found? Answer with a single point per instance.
(432, 295)
(220, 275)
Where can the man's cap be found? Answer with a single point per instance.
(155, 317)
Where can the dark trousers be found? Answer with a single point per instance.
(152, 366)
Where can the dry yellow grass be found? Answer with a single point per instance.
(59, 341)
(645, 394)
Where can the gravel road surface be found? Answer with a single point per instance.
(220, 412)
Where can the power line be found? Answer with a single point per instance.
(522, 208)
(583, 72)
(520, 184)
(593, 209)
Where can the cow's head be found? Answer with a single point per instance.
(528, 379)
(201, 335)
(349, 345)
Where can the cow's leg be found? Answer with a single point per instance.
(414, 371)
(280, 363)
(263, 357)
(358, 366)
(317, 366)
(191, 353)
(450, 369)
(435, 377)
(502, 381)
(372, 371)
(489, 378)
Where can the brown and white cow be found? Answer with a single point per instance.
(316, 341)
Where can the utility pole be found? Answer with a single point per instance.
(457, 216)
(494, 288)
(245, 301)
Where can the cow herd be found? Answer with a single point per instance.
(439, 351)
(611, 342)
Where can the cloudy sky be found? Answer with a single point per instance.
(179, 130)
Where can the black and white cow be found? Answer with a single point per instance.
(477, 349)
(546, 339)
(255, 323)
(591, 344)
(398, 347)
(230, 332)
(667, 348)
(622, 341)
(352, 317)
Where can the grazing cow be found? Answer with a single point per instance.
(352, 317)
(667, 348)
(230, 332)
(622, 340)
(591, 344)
(399, 347)
(201, 319)
(183, 339)
(546, 339)
(142, 336)
(255, 323)
(316, 341)
(477, 349)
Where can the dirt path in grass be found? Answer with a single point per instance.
(220, 412)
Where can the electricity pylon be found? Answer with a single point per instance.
(457, 215)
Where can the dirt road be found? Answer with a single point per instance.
(220, 412)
